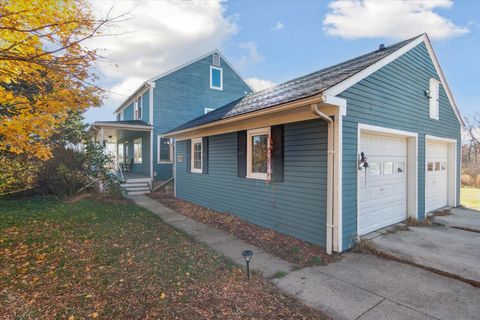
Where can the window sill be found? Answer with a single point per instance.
(196, 170)
(257, 176)
(217, 88)
(164, 162)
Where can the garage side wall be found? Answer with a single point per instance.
(393, 97)
(295, 206)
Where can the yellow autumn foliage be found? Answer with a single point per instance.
(45, 71)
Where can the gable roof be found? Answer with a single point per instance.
(329, 81)
(147, 83)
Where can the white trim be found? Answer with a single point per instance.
(221, 78)
(412, 161)
(336, 101)
(347, 83)
(150, 103)
(134, 143)
(122, 126)
(207, 110)
(250, 134)
(151, 155)
(338, 181)
(139, 92)
(452, 175)
(170, 146)
(194, 141)
(146, 83)
(434, 99)
(368, 127)
(175, 168)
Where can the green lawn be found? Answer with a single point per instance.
(90, 259)
(470, 197)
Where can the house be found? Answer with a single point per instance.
(161, 104)
(332, 155)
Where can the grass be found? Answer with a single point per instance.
(470, 197)
(89, 259)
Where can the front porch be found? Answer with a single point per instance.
(130, 144)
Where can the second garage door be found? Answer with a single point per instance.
(383, 185)
(436, 186)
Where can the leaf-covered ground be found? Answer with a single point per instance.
(296, 251)
(90, 259)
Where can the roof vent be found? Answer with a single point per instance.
(381, 47)
(216, 60)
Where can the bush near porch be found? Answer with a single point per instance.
(87, 258)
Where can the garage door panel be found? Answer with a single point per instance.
(436, 180)
(383, 192)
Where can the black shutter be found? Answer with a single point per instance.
(277, 153)
(242, 154)
(188, 145)
(205, 155)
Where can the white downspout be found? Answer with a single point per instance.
(330, 159)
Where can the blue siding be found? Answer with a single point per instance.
(130, 136)
(182, 95)
(128, 112)
(145, 106)
(295, 206)
(393, 97)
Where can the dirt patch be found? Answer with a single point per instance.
(296, 251)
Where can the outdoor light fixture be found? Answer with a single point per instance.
(247, 254)
(427, 94)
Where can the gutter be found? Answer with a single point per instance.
(330, 172)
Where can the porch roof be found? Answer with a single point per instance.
(113, 130)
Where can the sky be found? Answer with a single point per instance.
(270, 42)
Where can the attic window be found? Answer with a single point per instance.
(138, 109)
(216, 60)
(216, 78)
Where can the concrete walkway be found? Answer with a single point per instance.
(357, 287)
(216, 239)
(461, 218)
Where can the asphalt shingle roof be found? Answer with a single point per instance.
(298, 88)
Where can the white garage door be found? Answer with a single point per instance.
(383, 185)
(436, 186)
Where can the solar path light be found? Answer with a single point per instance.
(247, 254)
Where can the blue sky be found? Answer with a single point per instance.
(273, 41)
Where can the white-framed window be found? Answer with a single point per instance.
(258, 143)
(216, 78)
(138, 108)
(137, 151)
(207, 110)
(164, 150)
(196, 155)
(434, 96)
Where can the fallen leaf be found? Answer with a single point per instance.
(95, 315)
(162, 295)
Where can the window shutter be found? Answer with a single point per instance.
(242, 154)
(188, 163)
(277, 153)
(205, 155)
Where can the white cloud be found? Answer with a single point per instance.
(259, 84)
(278, 26)
(398, 19)
(251, 55)
(156, 36)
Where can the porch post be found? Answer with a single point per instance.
(151, 154)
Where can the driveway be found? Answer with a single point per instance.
(448, 248)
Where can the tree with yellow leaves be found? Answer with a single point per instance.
(45, 70)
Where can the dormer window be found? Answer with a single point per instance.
(138, 109)
(216, 78)
(434, 96)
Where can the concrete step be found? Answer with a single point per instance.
(135, 184)
(131, 193)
